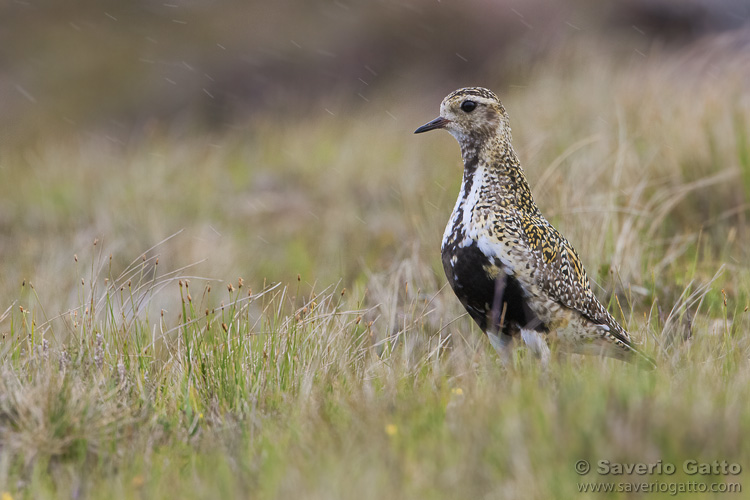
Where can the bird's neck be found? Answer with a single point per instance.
(501, 172)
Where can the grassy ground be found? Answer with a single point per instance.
(136, 364)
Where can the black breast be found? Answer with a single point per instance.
(476, 289)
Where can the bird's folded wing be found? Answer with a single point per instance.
(562, 275)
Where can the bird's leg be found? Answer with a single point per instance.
(503, 344)
(536, 342)
(534, 339)
(499, 340)
(497, 313)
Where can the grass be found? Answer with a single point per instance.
(341, 366)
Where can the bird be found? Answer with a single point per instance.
(514, 273)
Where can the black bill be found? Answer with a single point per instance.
(438, 122)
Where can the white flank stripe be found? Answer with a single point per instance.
(468, 202)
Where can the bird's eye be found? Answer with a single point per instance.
(468, 106)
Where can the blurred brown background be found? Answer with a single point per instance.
(111, 67)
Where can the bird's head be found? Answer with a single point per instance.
(471, 115)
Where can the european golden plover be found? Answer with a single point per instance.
(513, 272)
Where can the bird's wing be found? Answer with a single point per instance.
(563, 276)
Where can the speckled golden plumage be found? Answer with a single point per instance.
(514, 273)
